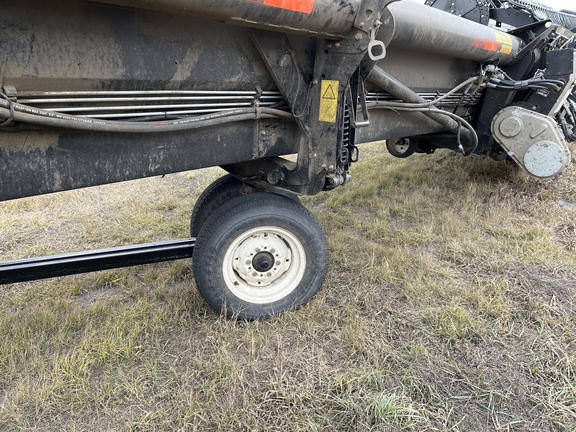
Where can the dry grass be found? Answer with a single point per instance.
(449, 305)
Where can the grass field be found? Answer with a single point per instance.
(449, 306)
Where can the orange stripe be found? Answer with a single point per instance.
(304, 6)
(485, 44)
(491, 46)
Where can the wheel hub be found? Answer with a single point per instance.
(263, 262)
(261, 259)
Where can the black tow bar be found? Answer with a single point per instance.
(94, 260)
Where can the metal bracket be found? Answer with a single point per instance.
(357, 95)
(540, 39)
(10, 92)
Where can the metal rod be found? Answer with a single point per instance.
(139, 99)
(88, 261)
(143, 107)
(154, 113)
(456, 98)
(145, 92)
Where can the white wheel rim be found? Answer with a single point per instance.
(264, 265)
(400, 146)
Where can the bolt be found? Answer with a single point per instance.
(315, 82)
(263, 133)
(361, 25)
(358, 37)
(331, 167)
(315, 155)
(329, 45)
(337, 45)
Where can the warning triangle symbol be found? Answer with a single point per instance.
(329, 93)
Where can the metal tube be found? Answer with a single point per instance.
(146, 107)
(410, 24)
(327, 18)
(421, 28)
(142, 92)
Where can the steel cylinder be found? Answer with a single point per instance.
(327, 18)
(408, 24)
(421, 28)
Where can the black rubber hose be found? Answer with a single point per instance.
(568, 129)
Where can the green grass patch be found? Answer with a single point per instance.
(449, 305)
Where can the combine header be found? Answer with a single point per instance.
(96, 92)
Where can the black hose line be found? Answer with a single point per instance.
(533, 84)
(569, 131)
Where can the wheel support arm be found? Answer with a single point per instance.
(88, 261)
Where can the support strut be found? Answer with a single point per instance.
(94, 260)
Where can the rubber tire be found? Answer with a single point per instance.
(236, 218)
(401, 152)
(214, 196)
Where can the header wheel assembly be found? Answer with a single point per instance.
(259, 255)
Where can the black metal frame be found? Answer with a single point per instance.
(94, 260)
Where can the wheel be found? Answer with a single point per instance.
(401, 147)
(258, 255)
(214, 196)
(219, 192)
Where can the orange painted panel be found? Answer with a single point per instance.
(491, 46)
(304, 6)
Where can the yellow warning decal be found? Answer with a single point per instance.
(504, 38)
(328, 101)
(506, 41)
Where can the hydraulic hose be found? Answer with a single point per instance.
(397, 89)
(532, 84)
(26, 114)
(568, 129)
